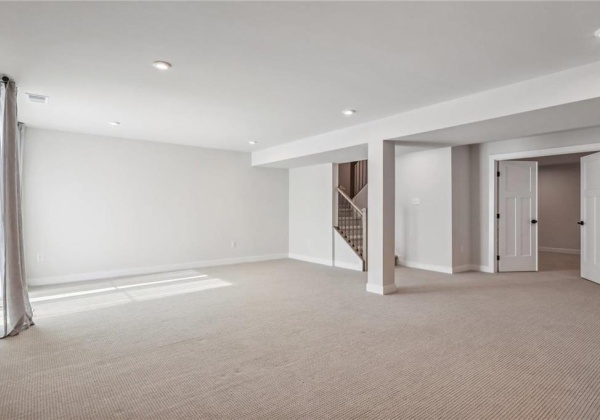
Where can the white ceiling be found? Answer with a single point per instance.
(273, 72)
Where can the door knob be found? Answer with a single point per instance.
(581, 223)
(534, 221)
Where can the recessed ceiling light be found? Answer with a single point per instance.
(114, 123)
(349, 111)
(252, 142)
(597, 33)
(161, 65)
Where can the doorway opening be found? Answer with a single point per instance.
(539, 208)
(559, 211)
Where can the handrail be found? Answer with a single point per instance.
(349, 200)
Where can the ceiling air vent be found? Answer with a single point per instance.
(38, 99)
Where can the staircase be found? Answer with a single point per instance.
(352, 220)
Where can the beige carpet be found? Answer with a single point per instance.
(549, 261)
(288, 340)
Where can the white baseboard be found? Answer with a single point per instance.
(429, 267)
(349, 266)
(381, 290)
(307, 258)
(100, 275)
(448, 270)
(462, 268)
(323, 261)
(482, 268)
(559, 250)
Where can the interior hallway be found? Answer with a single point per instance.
(568, 263)
(288, 339)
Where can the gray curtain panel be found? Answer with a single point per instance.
(16, 309)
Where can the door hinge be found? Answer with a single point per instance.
(497, 257)
(497, 215)
(498, 173)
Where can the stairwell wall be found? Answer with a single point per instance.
(312, 217)
(311, 205)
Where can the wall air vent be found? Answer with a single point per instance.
(38, 99)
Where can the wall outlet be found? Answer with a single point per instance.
(415, 201)
(39, 257)
(233, 244)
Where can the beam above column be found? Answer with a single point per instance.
(553, 90)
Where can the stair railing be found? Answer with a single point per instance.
(352, 225)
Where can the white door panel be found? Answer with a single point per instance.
(590, 216)
(517, 228)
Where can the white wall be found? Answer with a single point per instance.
(559, 207)
(480, 173)
(424, 230)
(97, 206)
(362, 198)
(311, 213)
(461, 215)
(343, 255)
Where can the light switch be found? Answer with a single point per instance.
(415, 201)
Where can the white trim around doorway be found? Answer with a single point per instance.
(493, 190)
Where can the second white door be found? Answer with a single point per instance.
(518, 213)
(590, 217)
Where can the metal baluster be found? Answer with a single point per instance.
(345, 219)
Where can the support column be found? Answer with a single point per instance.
(381, 217)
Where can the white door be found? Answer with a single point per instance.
(517, 212)
(590, 217)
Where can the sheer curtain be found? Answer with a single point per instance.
(14, 305)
